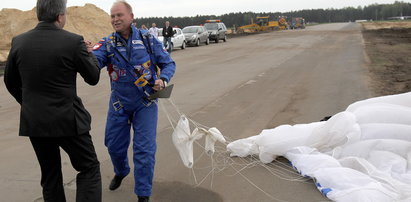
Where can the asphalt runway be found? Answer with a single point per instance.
(242, 86)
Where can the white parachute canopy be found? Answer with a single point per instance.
(360, 154)
(183, 140)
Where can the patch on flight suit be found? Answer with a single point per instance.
(122, 49)
(137, 42)
(138, 47)
(121, 72)
(112, 73)
(147, 64)
(138, 68)
(147, 72)
(114, 76)
(97, 46)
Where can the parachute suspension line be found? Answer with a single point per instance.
(175, 106)
(283, 176)
(220, 161)
(195, 123)
(252, 183)
(289, 170)
(279, 171)
(212, 170)
(179, 113)
(194, 175)
(168, 115)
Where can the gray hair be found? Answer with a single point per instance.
(128, 6)
(48, 10)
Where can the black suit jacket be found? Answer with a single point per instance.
(168, 32)
(41, 73)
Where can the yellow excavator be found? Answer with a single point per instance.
(263, 24)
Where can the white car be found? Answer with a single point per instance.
(178, 40)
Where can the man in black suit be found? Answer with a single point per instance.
(40, 74)
(167, 34)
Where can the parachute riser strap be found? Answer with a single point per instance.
(140, 81)
(140, 77)
(147, 43)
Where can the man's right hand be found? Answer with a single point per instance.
(159, 85)
(89, 46)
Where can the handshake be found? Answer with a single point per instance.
(89, 46)
(159, 84)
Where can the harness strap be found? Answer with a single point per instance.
(140, 80)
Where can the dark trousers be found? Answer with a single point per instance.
(83, 158)
(167, 41)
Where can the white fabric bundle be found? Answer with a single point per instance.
(183, 140)
(361, 154)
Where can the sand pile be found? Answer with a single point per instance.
(387, 25)
(88, 20)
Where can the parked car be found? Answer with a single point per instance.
(196, 35)
(178, 40)
(217, 30)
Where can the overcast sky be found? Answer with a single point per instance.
(177, 8)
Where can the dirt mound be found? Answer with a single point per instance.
(88, 20)
(387, 25)
(389, 50)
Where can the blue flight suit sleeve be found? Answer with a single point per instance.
(164, 61)
(101, 52)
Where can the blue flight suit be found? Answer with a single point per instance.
(126, 60)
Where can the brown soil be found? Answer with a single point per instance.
(386, 24)
(390, 59)
(2, 65)
(89, 21)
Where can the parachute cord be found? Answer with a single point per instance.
(212, 171)
(252, 183)
(222, 162)
(175, 106)
(194, 175)
(195, 123)
(168, 115)
(180, 114)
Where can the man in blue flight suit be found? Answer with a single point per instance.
(131, 57)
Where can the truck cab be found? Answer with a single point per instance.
(217, 30)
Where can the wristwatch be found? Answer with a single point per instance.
(165, 82)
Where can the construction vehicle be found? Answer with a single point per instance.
(263, 24)
(297, 23)
(282, 23)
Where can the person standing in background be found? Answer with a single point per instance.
(167, 34)
(154, 30)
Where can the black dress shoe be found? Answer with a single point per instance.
(143, 199)
(116, 182)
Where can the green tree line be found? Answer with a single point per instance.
(370, 12)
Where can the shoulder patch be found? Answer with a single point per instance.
(137, 42)
(97, 46)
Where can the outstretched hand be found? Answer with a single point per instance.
(89, 46)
